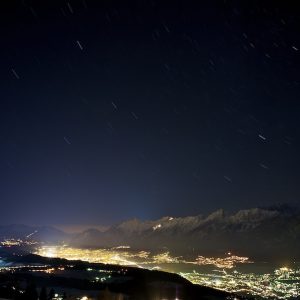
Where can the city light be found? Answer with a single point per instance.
(264, 285)
(283, 283)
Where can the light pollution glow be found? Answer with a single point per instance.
(282, 283)
(131, 258)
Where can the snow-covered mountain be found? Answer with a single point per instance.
(254, 232)
(218, 219)
(257, 232)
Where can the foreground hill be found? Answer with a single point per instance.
(117, 282)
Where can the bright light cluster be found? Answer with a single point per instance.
(284, 283)
(16, 242)
(122, 256)
(156, 227)
(227, 262)
(106, 256)
(109, 256)
(165, 258)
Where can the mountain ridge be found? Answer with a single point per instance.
(252, 232)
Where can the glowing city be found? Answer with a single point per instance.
(283, 282)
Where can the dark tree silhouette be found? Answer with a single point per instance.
(31, 292)
(51, 294)
(43, 294)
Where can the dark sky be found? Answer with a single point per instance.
(119, 109)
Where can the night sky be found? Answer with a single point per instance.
(118, 109)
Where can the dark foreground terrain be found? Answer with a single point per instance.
(35, 277)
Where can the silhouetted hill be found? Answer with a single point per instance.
(38, 233)
(138, 284)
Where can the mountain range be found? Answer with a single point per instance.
(258, 232)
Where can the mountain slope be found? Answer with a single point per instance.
(254, 232)
(39, 233)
